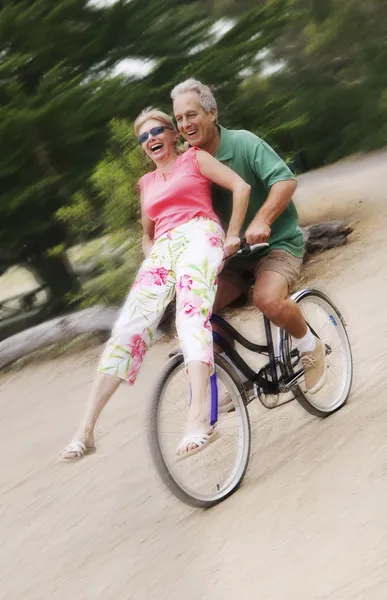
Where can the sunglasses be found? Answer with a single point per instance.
(153, 132)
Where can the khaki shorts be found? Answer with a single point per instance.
(243, 271)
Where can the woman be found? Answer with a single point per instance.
(184, 246)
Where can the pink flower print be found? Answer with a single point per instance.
(143, 278)
(160, 275)
(192, 305)
(208, 354)
(168, 234)
(185, 283)
(137, 346)
(207, 324)
(135, 365)
(154, 275)
(215, 240)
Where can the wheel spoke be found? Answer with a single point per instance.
(214, 472)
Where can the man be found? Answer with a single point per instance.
(271, 217)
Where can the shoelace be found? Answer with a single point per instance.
(308, 361)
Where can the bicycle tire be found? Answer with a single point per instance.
(155, 446)
(308, 402)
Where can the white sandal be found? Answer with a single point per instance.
(78, 449)
(200, 439)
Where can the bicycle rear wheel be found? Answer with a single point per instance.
(212, 475)
(327, 322)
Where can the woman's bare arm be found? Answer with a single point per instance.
(215, 171)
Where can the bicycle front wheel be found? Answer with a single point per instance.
(212, 475)
(326, 321)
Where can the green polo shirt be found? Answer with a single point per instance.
(261, 167)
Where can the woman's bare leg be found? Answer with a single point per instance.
(199, 413)
(103, 389)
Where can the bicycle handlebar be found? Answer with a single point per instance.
(246, 249)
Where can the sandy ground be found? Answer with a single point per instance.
(309, 521)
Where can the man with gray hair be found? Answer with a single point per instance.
(271, 217)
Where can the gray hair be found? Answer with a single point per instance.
(206, 97)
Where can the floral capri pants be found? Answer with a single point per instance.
(186, 261)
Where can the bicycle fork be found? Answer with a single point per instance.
(214, 399)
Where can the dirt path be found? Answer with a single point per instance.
(308, 523)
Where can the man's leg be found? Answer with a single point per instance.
(227, 293)
(270, 296)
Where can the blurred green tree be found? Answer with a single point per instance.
(320, 86)
(110, 203)
(57, 96)
(307, 75)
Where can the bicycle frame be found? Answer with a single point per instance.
(267, 386)
(267, 349)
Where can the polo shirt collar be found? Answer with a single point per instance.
(226, 146)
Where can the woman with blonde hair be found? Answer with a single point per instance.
(184, 247)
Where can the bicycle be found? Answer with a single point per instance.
(205, 486)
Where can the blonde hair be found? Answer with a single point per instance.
(162, 117)
(153, 113)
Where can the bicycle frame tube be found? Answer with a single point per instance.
(217, 320)
(214, 399)
(220, 341)
(268, 386)
(269, 337)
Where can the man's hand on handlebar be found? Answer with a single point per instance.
(231, 245)
(241, 247)
(257, 232)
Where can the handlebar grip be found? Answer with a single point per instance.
(246, 249)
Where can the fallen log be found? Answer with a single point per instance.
(65, 328)
(101, 319)
(323, 236)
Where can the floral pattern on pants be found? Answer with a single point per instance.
(185, 261)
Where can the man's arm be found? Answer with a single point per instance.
(280, 184)
(278, 199)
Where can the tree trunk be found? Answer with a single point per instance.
(56, 273)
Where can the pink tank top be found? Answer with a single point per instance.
(185, 194)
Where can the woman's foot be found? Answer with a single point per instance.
(195, 442)
(199, 433)
(80, 445)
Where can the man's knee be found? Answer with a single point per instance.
(270, 294)
(268, 302)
